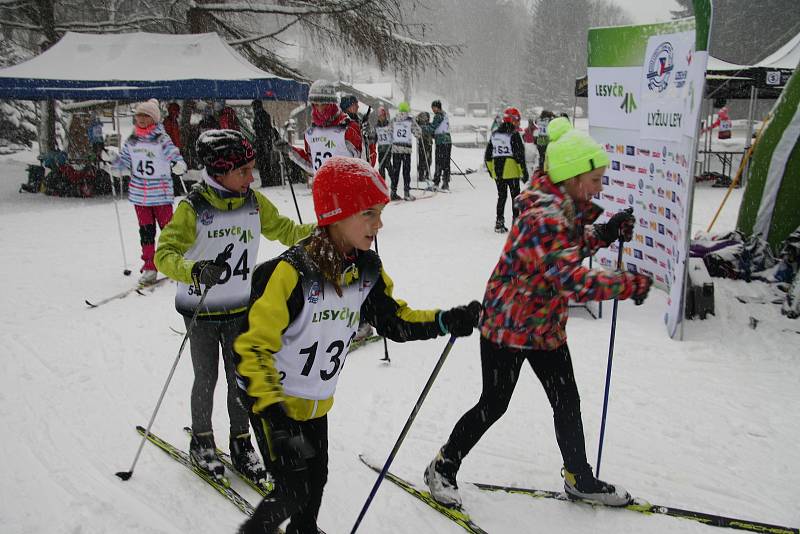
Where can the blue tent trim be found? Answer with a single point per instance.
(43, 89)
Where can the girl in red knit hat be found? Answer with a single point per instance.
(304, 313)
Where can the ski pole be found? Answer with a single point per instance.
(291, 187)
(385, 343)
(608, 368)
(221, 259)
(405, 430)
(462, 172)
(125, 270)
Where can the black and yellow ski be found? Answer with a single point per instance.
(222, 486)
(455, 515)
(644, 507)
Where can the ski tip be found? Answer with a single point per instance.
(90, 304)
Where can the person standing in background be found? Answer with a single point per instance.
(383, 133)
(151, 159)
(332, 133)
(440, 128)
(265, 135)
(424, 148)
(505, 159)
(542, 139)
(403, 130)
(173, 130)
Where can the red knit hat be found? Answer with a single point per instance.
(344, 186)
(511, 114)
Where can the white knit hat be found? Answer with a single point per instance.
(149, 108)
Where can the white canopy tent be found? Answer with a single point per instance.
(140, 65)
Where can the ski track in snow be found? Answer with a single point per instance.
(705, 424)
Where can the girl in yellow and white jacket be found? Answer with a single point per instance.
(304, 314)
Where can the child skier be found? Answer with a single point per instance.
(525, 310)
(505, 159)
(383, 130)
(724, 124)
(440, 128)
(403, 130)
(290, 315)
(221, 212)
(151, 158)
(542, 139)
(424, 148)
(332, 132)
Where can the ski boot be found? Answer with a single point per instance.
(584, 486)
(395, 196)
(408, 196)
(148, 278)
(245, 459)
(446, 186)
(440, 477)
(500, 226)
(203, 454)
(364, 331)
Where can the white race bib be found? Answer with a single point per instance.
(501, 145)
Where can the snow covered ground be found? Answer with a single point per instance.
(705, 424)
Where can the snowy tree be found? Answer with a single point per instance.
(556, 48)
(365, 29)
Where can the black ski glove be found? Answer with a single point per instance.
(207, 272)
(460, 321)
(620, 225)
(286, 439)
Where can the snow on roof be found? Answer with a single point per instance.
(137, 56)
(786, 57)
(131, 66)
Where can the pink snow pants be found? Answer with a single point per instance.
(148, 216)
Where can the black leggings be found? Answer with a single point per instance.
(404, 161)
(503, 187)
(442, 160)
(298, 489)
(501, 366)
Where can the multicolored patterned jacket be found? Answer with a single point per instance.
(540, 269)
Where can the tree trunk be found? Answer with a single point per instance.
(47, 108)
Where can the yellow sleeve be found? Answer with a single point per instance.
(174, 240)
(277, 227)
(255, 348)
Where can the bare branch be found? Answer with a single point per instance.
(274, 9)
(21, 25)
(272, 35)
(70, 26)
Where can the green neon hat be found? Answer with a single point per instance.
(403, 107)
(571, 152)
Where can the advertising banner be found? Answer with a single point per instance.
(645, 89)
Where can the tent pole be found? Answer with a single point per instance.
(707, 140)
(753, 104)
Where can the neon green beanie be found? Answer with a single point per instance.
(403, 107)
(571, 152)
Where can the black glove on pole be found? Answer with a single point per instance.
(619, 226)
(460, 321)
(221, 258)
